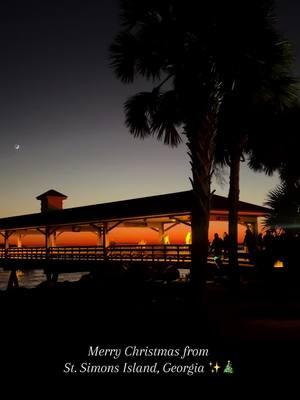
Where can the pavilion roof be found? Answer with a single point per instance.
(167, 204)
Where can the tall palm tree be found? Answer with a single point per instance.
(265, 95)
(195, 59)
(166, 43)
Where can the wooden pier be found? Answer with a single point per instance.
(160, 214)
(57, 260)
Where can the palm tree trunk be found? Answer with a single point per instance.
(233, 198)
(201, 151)
(199, 250)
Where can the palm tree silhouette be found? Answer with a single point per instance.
(248, 121)
(275, 147)
(277, 150)
(284, 204)
(198, 60)
(166, 42)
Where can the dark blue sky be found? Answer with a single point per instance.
(60, 101)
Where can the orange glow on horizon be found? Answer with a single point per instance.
(119, 235)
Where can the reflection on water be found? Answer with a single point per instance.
(30, 279)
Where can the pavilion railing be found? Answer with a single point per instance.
(22, 253)
(80, 253)
(124, 253)
(153, 253)
(174, 253)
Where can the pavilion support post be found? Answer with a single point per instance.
(98, 233)
(13, 278)
(52, 239)
(161, 232)
(102, 237)
(19, 240)
(47, 246)
(6, 243)
(105, 236)
(102, 233)
(105, 240)
(7, 235)
(47, 242)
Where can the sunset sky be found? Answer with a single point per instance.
(60, 101)
(125, 236)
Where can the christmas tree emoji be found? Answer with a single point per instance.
(228, 369)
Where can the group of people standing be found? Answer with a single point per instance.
(263, 249)
(220, 247)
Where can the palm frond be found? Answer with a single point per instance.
(154, 114)
(140, 54)
(166, 117)
(123, 56)
(284, 203)
(136, 12)
(138, 111)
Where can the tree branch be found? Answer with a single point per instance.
(163, 82)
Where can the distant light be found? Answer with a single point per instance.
(166, 239)
(279, 264)
(17, 147)
(188, 238)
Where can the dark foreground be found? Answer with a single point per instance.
(257, 329)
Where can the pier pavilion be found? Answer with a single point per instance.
(159, 213)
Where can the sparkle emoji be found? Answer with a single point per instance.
(215, 368)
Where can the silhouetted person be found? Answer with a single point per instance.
(267, 258)
(268, 242)
(250, 243)
(226, 244)
(217, 246)
(260, 242)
